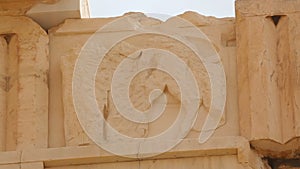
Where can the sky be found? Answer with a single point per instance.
(110, 8)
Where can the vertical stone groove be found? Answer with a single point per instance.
(3, 88)
(12, 93)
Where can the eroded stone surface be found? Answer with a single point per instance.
(262, 90)
(25, 52)
(19, 7)
(193, 163)
(146, 81)
(268, 59)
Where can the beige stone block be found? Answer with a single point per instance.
(66, 42)
(267, 58)
(50, 15)
(12, 102)
(19, 7)
(36, 165)
(10, 157)
(225, 148)
(12, 166)
(221, 32)
(261, 58)
(26, 83)
(3, 86)
(213, 162)
(266, 7)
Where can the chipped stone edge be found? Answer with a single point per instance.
(52, 157)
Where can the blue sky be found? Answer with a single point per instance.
(108, 8)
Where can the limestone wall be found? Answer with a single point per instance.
(24, 84)
(259, 49)
(268, 52)
(66, 43)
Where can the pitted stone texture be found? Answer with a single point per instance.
(268, 74)
(26, 89)
(66, 43)
(19, 7)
